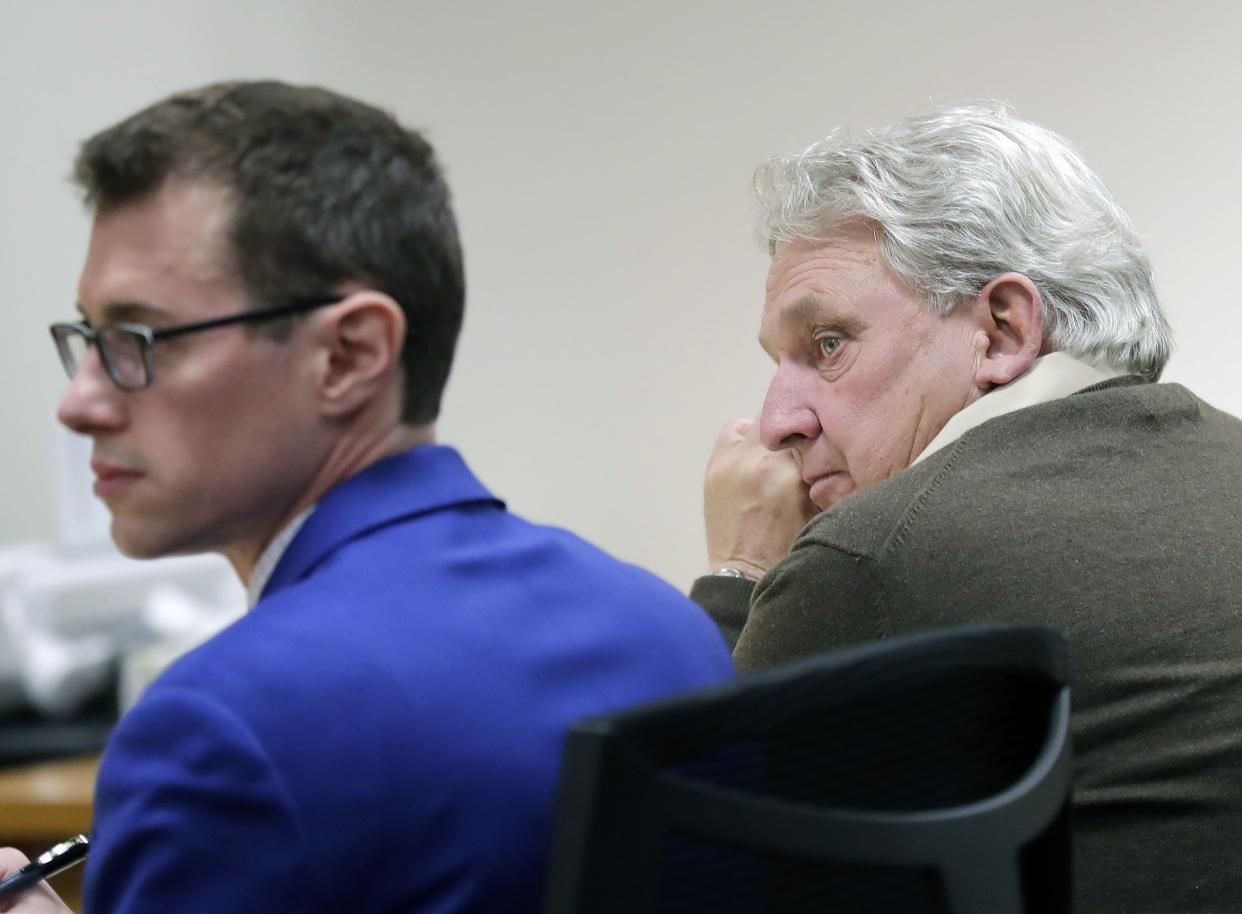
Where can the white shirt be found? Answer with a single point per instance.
(271, 556)
(1050, 377)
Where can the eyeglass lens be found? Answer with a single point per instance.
(123, 353)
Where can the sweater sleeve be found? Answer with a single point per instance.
(818, 598)
(727, 601)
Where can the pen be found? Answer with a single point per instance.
(46, 865)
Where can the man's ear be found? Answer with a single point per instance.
(1010, 312)
(362, 339)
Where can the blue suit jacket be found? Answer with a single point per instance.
(382, 733)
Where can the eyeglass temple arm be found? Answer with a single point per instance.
(241, 317)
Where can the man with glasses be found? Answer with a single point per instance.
(269, 308)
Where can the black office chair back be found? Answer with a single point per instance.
(928, 773)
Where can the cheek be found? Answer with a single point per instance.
(212, 437)
(952, 352)
(876, 438)
(871, 453)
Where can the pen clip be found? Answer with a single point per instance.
(61, 849)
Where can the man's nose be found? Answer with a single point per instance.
(788, 415)
(91, 403)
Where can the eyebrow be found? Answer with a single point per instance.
(807, 313)
(122, 311)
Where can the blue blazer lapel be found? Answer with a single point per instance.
(419, 481)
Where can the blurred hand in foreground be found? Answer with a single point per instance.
(38, 900)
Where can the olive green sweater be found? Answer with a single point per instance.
(1115, 514)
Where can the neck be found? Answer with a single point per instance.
(346, 458)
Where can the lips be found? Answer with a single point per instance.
(111, 479)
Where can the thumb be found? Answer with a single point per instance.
(11, 860)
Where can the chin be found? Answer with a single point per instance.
(139, 543)
(137, 550)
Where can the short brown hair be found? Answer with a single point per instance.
(326, 190)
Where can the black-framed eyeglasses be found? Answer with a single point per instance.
(126, 349)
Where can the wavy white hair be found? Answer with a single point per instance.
(960, 195)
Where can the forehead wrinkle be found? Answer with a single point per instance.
(812, 311)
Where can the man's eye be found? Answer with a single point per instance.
(828, 346)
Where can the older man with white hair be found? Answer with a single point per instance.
(967, 340)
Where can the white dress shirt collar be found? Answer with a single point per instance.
(1050, 377)
(271, 556)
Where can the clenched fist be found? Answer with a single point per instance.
(754, 501)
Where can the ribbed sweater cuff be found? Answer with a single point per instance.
(727, 601)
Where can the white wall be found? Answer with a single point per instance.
(601, 157)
